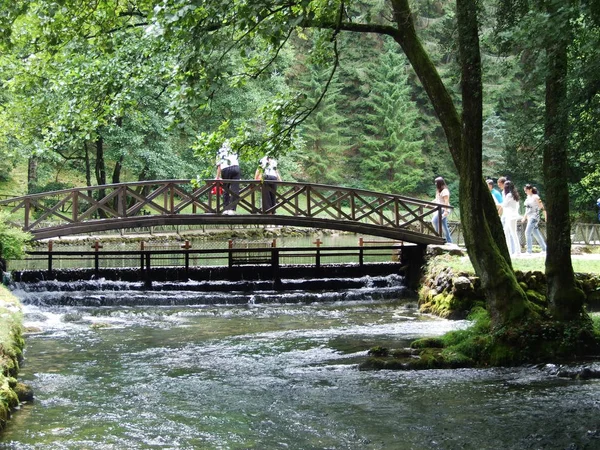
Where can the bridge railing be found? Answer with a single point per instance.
(177, 197)
(186, 257)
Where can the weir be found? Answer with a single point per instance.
(104, 293)
(149, 265)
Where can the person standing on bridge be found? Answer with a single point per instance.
(267, 171)
(228, 168)
(442, 196)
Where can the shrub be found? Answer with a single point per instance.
(12, 240)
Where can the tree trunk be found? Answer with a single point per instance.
(32, 165)
(565, 298)
(100, 170)
(506, 300)
(483, 232)
(116, 176)
(88, 165)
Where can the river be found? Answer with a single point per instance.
(279, 371)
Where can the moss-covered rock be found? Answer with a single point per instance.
(24, 392)
(427, 343)
(452, 295)
(11, 353)
(423, 359)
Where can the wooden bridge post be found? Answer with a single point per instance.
(230, 254)
(49, 259)
(186, 246)
(148, 276)
(361, 252)
(412, 257)
(318, 253)
(96, 248)
(275, 262)
(263, 195)
(142, 256)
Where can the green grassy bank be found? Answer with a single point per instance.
(12, 392)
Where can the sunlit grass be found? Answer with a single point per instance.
(588, 263)
(16, 185)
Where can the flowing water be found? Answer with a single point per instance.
(264, 370)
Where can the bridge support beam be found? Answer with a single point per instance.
(412, 258)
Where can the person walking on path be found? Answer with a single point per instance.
(533, 206)
(267, 171)
(228, 168)
(510, 215)
(442, 196)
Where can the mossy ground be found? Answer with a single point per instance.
(539, 340)
(536, 339)
(11, 353)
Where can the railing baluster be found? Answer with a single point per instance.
(75, 212)
(27, 212)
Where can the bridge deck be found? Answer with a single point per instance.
(176, 202)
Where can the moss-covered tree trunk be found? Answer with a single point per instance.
(565, 298)
(483, 232)
(506, 300)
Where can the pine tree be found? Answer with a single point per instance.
(392, 159)
(324, 132)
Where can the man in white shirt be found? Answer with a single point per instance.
(267, 171)
(228, 168)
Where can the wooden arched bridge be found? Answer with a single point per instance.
(176, 202)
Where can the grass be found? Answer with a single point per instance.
(16, 185)
(588, 263)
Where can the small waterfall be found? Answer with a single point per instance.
(103, 292)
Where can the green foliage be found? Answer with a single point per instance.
(473, 342)
(12, 239)
(323, 131)
(392, 160)
(153, 80)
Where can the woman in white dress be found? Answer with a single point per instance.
(510, 215)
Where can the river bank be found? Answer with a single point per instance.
(12, 392)
(450, 289)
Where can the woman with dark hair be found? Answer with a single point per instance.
(510, 215)
(533, 206)
(442, 196)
